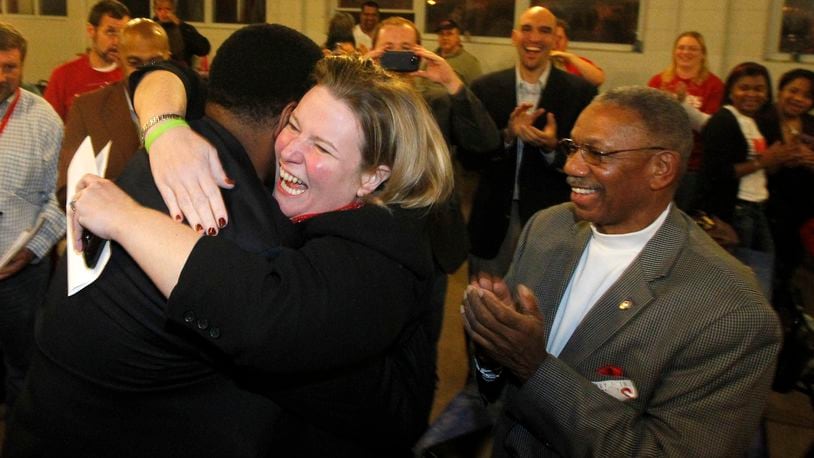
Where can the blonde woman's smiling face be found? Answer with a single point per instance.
(319, 157)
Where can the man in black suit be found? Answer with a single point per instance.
(534, 104)
(464, 123)
(110, 376)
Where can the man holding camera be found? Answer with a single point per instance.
(463, 120)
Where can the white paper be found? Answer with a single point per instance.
(84, 161)
(21, 241)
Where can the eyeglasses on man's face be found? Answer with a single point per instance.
(595, 156)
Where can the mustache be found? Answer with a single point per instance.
(576, 182)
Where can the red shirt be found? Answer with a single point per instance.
(705, 96)
(73, 78)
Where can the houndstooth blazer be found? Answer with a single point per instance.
(685, 326)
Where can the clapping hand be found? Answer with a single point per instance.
(521, 124)
(512, 333)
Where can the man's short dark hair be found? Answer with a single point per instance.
(369, 5)
(112, 8)
(260, 69)
(11, 38)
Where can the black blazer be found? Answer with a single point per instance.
(541, 184)
(139, 381)
(465, 123)
(788, 208)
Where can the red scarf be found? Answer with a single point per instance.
(351, 206)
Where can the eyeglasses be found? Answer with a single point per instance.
(595, 156)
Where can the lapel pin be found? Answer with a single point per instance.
(625, 304)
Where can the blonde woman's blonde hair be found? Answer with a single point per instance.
(398, 131)
(670, 72)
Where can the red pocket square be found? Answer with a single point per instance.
(611, 371)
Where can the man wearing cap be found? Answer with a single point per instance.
(450, 48)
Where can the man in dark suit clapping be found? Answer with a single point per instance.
(533, 104)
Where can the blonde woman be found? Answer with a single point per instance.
(334, 327)
(689, 78)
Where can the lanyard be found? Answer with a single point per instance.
(10, 110)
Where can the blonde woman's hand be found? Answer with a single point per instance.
(102, 208)
(189, 175)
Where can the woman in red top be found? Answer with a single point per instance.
(701, 91)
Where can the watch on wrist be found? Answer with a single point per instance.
(490, 374)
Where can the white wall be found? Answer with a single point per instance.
(51, 40)
(736, 31)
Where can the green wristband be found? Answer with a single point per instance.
(159, 130)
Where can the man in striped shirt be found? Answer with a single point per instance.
(30, 136)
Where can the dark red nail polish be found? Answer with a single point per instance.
(211, 231)
(229, 181)
(198, 228)
(179, 218)
(221, 223)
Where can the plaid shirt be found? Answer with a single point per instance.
(29, 152)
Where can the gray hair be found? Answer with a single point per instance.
(662, 116)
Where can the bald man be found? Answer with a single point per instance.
(534, 104)
(107, 114)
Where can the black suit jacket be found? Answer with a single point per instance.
(541, 184)
(465, 124)
(146, 387)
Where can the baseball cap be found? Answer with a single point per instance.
(447, 24)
